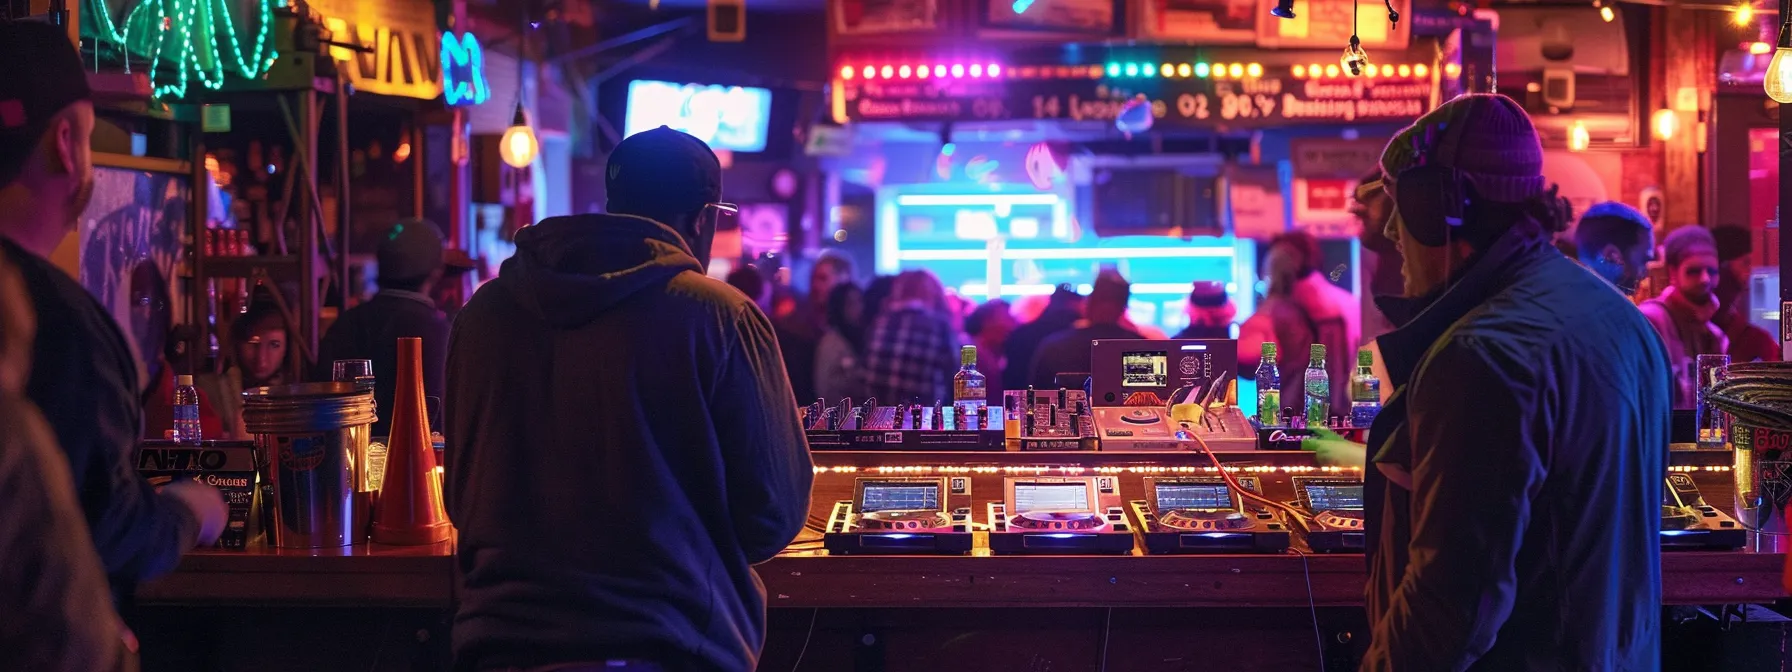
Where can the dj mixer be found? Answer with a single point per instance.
(1201, 514)
(1334, 513)
(902, 516)
(1070, 515)
(1688, 522)
(868, 426)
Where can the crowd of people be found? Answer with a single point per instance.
(622, 432)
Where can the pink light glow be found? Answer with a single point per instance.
(995, 70)
(976, 70)
(957, 69)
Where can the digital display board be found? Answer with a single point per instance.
(1051, 498)
(1193, 496)
(734, 118)
(877, 497)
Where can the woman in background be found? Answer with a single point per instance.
(259, 340)
(837, 355)
(913, 350)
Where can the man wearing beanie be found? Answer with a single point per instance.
(83, 374)
(412, 258)
(1682, 314)
(623, 444)
(1516, 470)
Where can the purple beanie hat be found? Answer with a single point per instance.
(1492, 143)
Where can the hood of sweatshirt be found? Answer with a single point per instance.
(569, 270)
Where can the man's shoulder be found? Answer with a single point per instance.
(66, 312)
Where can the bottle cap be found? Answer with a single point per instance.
(1365, 357)
(183, 380)
(1316, 352)
(968, 355)
(1269, 349)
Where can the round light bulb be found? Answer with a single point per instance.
(518, 146)
(1778, 81)
(1745, 14)
(1607, 14)
(1664, 123)
(1578, 138)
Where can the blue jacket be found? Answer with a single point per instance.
(1530, 410)
(623, 445)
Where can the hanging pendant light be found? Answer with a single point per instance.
(1778, 81)
(518, 146)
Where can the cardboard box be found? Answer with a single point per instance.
(228, 466)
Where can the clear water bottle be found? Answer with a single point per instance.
(186, 410)
(1269, 388)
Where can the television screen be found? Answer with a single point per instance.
(727, 117)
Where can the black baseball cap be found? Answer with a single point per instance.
(43, 76)
(662, 170)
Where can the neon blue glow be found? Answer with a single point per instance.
(1021, 6)
(1148, 69)
(1201, 70)
(726, 117)
(949, 148)
(1132, 69)
(463, 70)
(1113, 69)
(977, 170)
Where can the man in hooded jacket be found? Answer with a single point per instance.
(1516, 472)
(623, 443)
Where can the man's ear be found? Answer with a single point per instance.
(62, 144)
(1612, 255)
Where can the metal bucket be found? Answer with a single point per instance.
(314, 439)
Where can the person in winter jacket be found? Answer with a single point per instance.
(1512, 497)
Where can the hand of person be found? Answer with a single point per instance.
(1332, 450)
(207, 505)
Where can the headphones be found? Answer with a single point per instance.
(1433, 200)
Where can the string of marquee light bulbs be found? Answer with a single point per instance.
(177, 20)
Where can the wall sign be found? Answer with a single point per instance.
(402, 55)
(1270, 100)
(1202, 21)
(463, 70)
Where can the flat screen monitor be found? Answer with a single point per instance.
(1068, 497)
(875, 496)
(1334, 497)
(1193, 496)
(734, 118)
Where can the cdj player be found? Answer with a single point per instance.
(1334, 508)
(1060, 516)
(1688, 522)
(1134, 381)
(1201, 514)
(889, 516)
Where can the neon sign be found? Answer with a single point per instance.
(463, 70)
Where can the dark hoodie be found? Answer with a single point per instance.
(622, 445)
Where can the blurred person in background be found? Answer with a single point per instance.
(877, 298)
(752, 283)
(842, 348)
(259, 339)
(1616, 243)
(990, 326)
(412, 259)
(1683, 314)
(1210, 311)
(1380, 272)
(83, 376)
(811, 319)
(1061, 314)
(801, 328)
(58, 613)
(913, 350)
(1301, 309)
(1069, 351)
(1748, 341)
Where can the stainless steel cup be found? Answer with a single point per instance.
(314, 437)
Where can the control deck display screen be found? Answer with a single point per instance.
(1335, 497)
(1195, 496)
(1145, 369)
(1051, 498)
(877, 497)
